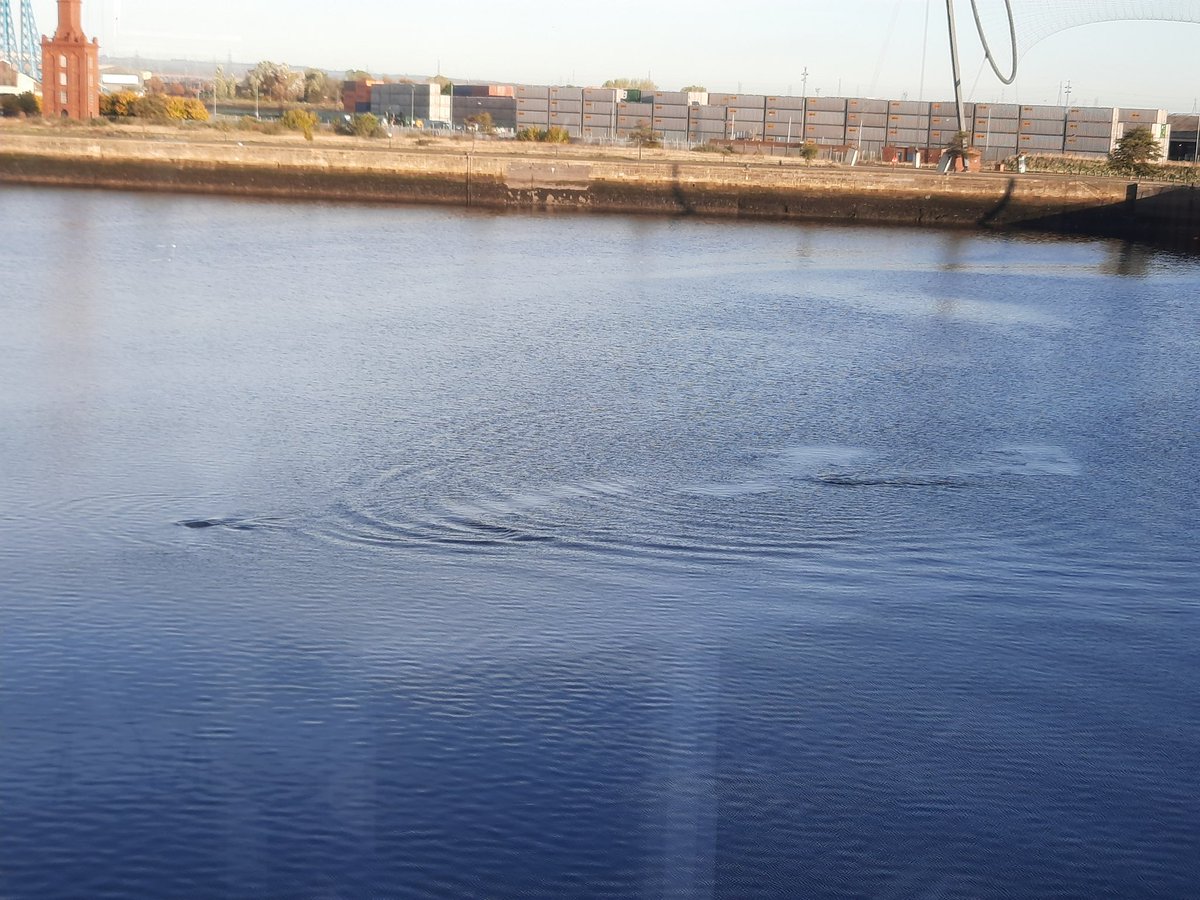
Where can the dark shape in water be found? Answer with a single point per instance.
(847, 479)
(238, 524)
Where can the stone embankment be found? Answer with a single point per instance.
(511, 176)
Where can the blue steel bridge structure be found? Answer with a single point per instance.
(22, 47)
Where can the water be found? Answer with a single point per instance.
(352, 551)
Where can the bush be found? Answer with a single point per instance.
(530, 133)
(118, 104)
(645, 136)
(1181, 173)
(155, 107)
(30, 103)
(261, 126)
(360, 125)
(25, 104)
(299, 120)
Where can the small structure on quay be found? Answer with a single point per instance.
(70, 67)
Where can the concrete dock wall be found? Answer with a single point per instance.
(720, 188)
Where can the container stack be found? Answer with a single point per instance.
(708, 123)
(566, 110)
(1043, 129)
(411, 102)
(866, 123)
(825, 120)
(670, 112)
(997, 129)
(746, 114)
(943, 123)
(600, 112)
(633, 114)
(497, 100)
(784, 119)
(908, 124)
(533, 106)
(1091, 130)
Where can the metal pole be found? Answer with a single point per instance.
(958, 100)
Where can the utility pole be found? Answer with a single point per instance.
(1067, 91)
(803, 101)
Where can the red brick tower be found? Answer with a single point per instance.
(70, 68)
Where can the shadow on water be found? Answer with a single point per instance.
(1165, 216)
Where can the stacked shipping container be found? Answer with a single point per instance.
(997, 129)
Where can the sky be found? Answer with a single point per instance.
(875, 48)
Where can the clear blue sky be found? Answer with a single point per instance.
(851, 47)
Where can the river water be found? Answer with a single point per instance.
(355, 551)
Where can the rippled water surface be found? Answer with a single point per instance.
(351, 551)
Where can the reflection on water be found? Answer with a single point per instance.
(369, 552)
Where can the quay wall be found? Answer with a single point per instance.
(512, 179)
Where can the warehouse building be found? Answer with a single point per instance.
(1185, 137)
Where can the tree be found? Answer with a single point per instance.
(359, 75)
(1135, 152)
(637, 84)
(482, 122)
(809, 152)
(698, 88)
(224, 86)
(645, 136)
(317, 86)
(155, 85)
(274, 81)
